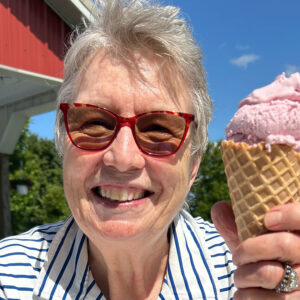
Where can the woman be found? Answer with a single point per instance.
(131, 127)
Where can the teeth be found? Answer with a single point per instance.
(113, 195)
(103, 194)
(130, 196)
(137, 195)
(120, 194)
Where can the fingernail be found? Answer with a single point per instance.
(273, 219)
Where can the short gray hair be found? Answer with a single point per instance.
(124, 25)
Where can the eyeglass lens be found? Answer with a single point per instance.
(159, 133)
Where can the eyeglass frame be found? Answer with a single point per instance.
(125, 121)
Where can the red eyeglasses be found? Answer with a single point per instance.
(156, 133)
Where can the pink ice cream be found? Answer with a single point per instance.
(270, 114)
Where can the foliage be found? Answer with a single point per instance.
(35, 160)
(211, 184)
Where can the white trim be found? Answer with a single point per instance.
(23, 74)
(71, 11)
(83, 9)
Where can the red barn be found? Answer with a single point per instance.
(33, 39)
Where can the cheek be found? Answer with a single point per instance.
(75, 174)
(78, 164)
(175, 189)
(174, 177)
(76, 171)
(182, 182)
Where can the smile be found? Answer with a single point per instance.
(120, 194)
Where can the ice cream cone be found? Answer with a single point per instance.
(259, 180)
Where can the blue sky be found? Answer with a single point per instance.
(245, 45)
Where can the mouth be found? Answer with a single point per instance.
(120, 194)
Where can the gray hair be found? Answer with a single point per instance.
(120, 26)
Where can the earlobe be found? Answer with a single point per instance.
(195, 163)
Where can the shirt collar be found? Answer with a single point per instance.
(65, 271)
(66, 274)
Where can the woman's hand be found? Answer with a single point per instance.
(260, 260)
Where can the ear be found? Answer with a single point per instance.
(195, 163)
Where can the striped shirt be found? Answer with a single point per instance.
(51, 262)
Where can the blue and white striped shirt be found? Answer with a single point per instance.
(51, 262)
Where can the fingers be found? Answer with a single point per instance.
(267, 275)
(260, 280)
(263, 274)
(279, 246)
(283, 217)
(261, 294)
(223, 219)
(259, 270)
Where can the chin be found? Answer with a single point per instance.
(113, 229)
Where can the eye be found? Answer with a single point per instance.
(156, 128)
(98, 123)
(86, 119)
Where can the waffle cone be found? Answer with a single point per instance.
(259, 180)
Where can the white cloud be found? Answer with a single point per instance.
(244, 60)
(290, 69)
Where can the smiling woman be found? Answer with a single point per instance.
(131, 127)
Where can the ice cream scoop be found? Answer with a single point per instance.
(270, 114)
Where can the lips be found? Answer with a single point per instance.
(120, 194)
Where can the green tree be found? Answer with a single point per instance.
(36, 162)
(211, 184)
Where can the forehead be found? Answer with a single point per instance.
(142, 84)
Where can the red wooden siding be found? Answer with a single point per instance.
(32, 37)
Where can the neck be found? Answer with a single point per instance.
(133, 270)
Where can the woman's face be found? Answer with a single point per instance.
(121, 171)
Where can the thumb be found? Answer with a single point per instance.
(223, 219)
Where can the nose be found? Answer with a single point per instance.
(123, 154)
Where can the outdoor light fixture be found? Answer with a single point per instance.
(21, 186)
